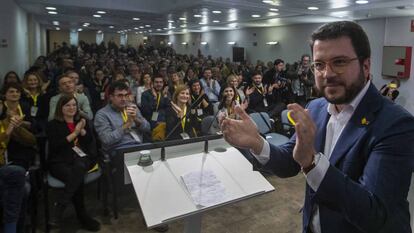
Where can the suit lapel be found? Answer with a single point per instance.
(358, 125)
(321, 121)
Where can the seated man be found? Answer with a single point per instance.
(120, 123)
(67, 86)
(154, 103)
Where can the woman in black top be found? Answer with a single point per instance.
(200, 102)
(70, 159)
(178, 118)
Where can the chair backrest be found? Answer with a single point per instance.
(209, 125)
(285, 121)
(262, 121)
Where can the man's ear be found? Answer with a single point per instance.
(366, 67)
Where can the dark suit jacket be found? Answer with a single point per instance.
(172, 120)
(60, 150)
(365, 188)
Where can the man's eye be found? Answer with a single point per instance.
(340, 62)
(319, 65)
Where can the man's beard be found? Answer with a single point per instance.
(350, 91)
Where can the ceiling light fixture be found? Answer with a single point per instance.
(182, 18)
(231, 42)
(274, 9)
(184, 43)
(101, 12)
(148, 26)
(169, 43)
(57, 28)
(268, 1)
(171, 21)
(50, 8)
(272, 42)
(97, 16)
(141, 27)
(159, 29)
(255, 16)
(136, 19)
(203, 43)
(111, 26)
(197, 16)
(56, 23)
(313, 8)
(216, 12)
(361, 2)
(80, 29)
(52, 12)
(99, 32)
(216, 21)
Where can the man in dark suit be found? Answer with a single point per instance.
(354, 147)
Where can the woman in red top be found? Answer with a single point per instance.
(70, 159)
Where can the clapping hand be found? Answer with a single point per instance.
(80, 127)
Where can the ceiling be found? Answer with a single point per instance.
(181, 16)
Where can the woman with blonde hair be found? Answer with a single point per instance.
(180, 124)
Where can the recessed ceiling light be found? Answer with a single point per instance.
(216, 21)
(101, 12)
(56, 23)
(136, 19)
(361, 2)
(173, 27)
(184, 43)
(267, 1)
(158, 29)
(272, 14)
(197, 16)
(149, 30)
(148, 26)
(80, 29)
(274, 9)
(111, 26)
(165, 28)
(99, 32)
(171, 21)
(141, 26)
(203, 42)
(50, 8)
(255, 16)
(202, 23)
(52, 12)
(57, 28)
(313, 8)
(182, 18)
(231, 42)
(97, 16)
(136, 28)
(169, 43)
(85, 25)
(140, 32)
(216, 12)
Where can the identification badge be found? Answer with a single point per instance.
(135, 136)
(79, 151)
(193, 111)
(154, 116)
(102, 95)
(199, 112)
(265, 102)
(185, 135)
(33, 111)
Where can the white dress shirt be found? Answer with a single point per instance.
(334, 128)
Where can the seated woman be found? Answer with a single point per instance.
(229, 101)
(12, 174)
(200, 102)
(180, 124)
(70, 159)
(233, 80)
(36, 99)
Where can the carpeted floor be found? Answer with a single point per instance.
(274, 212)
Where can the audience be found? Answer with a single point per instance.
(210, 86)
(146, 84)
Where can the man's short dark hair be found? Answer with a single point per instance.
(117, 85)
(335, 30)
(158, 75)
(278, 61)
(256, 72)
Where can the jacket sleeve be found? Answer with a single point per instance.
(107, 135)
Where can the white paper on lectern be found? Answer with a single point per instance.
(204, 187)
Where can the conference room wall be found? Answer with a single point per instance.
(37, 39)
(87, 36)
(13, 29)
(115, 37)
(58, 37)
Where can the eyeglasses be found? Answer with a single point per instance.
(120, 96)
(337, 65)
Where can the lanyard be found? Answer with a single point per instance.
(158, 101)
(19, 109)
(34, 97)
(184, 118)
(124, 116)
(258, 89)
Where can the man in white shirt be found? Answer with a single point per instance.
(354, 147)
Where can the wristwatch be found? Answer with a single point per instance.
(315, 161)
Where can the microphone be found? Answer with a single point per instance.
(215, 115)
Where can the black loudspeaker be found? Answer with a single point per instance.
(238, 54)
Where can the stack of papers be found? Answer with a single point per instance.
(204, 187)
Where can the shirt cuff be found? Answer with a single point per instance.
(315, 176)
(264, 155)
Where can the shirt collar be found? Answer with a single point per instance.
(354, 103)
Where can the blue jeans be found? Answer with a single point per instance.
(12, 188)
